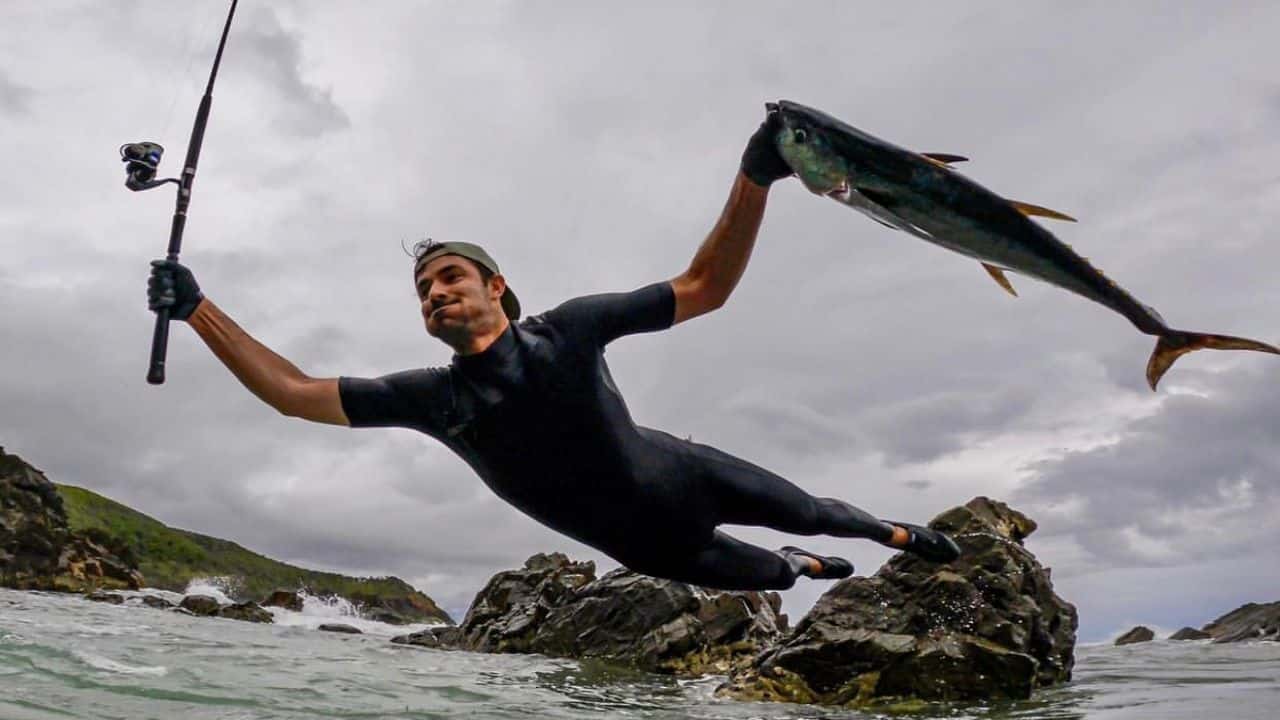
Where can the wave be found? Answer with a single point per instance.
(105, 663)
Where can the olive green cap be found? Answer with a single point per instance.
(431, 250)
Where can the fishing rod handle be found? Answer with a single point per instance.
(159, 347)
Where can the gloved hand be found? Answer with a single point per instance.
(761, 162)
(173, 286)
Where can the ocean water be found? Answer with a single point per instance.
(64, 657)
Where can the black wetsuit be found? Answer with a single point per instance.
(538, 416)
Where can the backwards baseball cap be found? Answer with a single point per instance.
(430, 250)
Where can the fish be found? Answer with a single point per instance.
(922, 195)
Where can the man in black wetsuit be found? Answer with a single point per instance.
(531, 407)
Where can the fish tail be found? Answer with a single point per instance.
(1173, 344)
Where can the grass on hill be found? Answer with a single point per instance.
(169, 558)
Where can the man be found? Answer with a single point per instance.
(532, 408)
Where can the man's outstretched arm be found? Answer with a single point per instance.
(275, 380)
(722, 257)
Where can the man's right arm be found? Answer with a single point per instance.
(276, 381)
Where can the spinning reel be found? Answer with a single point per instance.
(141, 160)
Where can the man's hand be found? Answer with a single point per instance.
(173, 286)
(761, 162)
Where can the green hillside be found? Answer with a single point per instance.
(169, 558)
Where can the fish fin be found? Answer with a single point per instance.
(998, 275)
(1029, 209)
(944, 159)
(1176, 343)
(883, 199)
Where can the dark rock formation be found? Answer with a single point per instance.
(1188, 633)
(249, 612)
(199, 605)
(1139, 634)
(988, 625)
(1253, 621)
(38, 551)
(285, 599)
(436, 637)
(557, 607)
(106, 597)
(341, 628)
(155, 601)
(412, 607)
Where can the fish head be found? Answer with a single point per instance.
(805, 144)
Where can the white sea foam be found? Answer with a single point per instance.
(109, 665)
(317, 611)
(214, 587)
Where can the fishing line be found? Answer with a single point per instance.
(179, 79)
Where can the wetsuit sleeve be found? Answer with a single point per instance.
(606, 317)
(415, 399)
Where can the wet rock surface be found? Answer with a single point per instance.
(1139, 634)
(1254, 621)
(200, 605)
(558, 607)
(284, 599)
(38, 551)
(248, 612)
(341, 628)
(1189, 633)
(988, 625)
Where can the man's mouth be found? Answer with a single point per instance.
(437, 308)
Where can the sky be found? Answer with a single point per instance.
(590, 147)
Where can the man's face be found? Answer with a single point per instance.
(457, 303)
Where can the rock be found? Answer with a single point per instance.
(248, 611)
(437, 637)
(557, 607)
(284, 599)
(1253, 621)
(988, 625)
(340, 628)
(106, 597)
(1188, 633)
(199, 605)
(1139, 634)
(410, 607)
(37, 549)
(155, 601)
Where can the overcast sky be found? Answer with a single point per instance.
(590, 147)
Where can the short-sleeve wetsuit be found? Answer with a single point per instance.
(538, 417)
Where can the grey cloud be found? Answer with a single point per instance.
(275, 55)
(15, 99)
(1167, 489)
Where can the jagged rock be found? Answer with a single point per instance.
(437, 637)
(106, 597)
(412, 607)
(988, 625)
(284, 599)
(249, 612)
(199, 605)
(341, 628)
(155, 601)
(38, 551)
(1253, 621)
(558, 607)
(1189, 633)
(1139, 634)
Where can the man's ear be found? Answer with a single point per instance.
(497, 286)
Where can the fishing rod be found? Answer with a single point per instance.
(141, 162)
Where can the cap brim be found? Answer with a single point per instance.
(510, 305)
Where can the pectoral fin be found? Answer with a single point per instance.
(1029, 209)
(944, 159)
(998, 275)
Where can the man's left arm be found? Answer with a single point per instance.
(722, 257)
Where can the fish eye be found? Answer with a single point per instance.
(800, 135)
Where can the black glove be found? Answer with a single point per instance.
(173, 286)
(761, 162)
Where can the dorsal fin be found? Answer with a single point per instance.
(1037, 210)
(945, 158)
(998, 275)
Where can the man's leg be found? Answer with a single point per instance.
(741, 493)
(726, 563)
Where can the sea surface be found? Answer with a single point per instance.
(65, 657)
